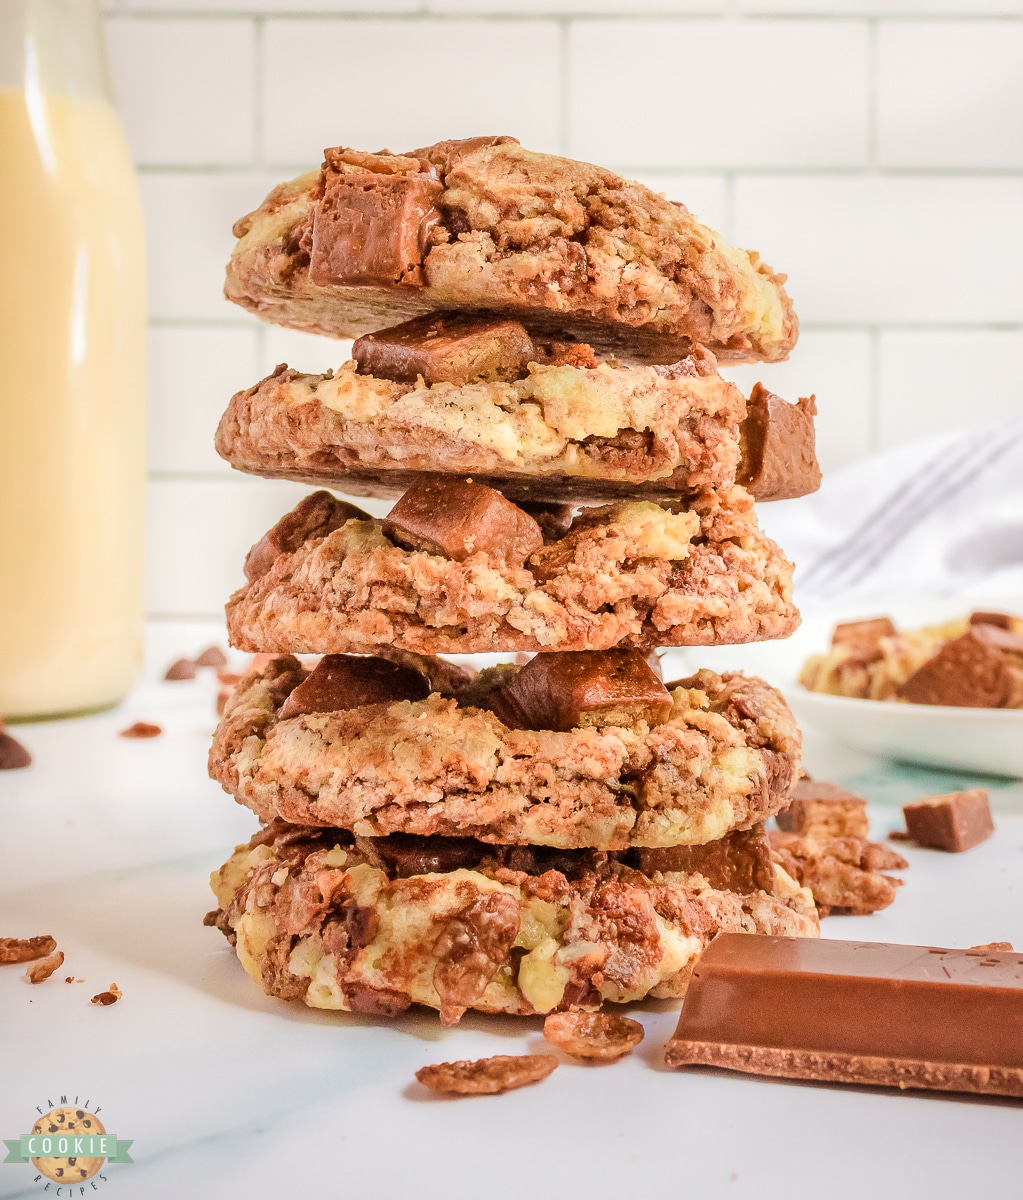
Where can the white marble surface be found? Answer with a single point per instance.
(107, 844)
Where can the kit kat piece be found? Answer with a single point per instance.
(955, 822)
(855, 1012)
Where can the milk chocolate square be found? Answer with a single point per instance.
(457, 518)
(820, 809)
(779, 458)
(863, 638)
(344, 681)
(371, 228)
(568, 690)
(967, 672)
(738, 862)
(317, 515)
(446, 348)
(955, 822)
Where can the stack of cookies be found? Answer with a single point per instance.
(534, 384)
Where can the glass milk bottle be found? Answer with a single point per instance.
(72, 370)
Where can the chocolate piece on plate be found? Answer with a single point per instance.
(446, 348)
(855, 1012)
(343, 681)
(863, 638)
(456, 518)
(1002, 620)
(738, 862)
(971, 671)
(566, 690)
(315, 516)
(957, 821)
(779, 459)
(820, 809)
(13, 755)
(372, 228)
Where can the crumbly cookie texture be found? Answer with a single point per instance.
(563, 432)
(845, 874)
(562, 246)
(626, 574)
(314, 917)
(725, 758)
(879, 675)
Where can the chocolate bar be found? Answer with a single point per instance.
(856, 1012)
(566, 690)
(446, 348)
(779, 459)
(456, 518)
(955, 822)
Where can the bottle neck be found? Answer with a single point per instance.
(53, 46)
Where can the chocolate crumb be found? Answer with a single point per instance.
(13, 754)
(212, 656)
(183, 668)
(141, 729)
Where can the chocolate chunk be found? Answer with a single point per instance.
(445, 155)
(13, 755)
(342, 681)
(212, 656)
(457, 518)
(968, 672)
(183, 668)
(955, 822)
(371, 228)
(779, 460)
(738, 862)
(1002, 620)
(566, 690)
(820, 809)
(315, 516)
(554, 520)
(855, 1012)
(402, 855)
(446, 348)
(863, 638)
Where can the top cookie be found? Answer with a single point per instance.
(371, 240)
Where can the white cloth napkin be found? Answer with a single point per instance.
(938, 517)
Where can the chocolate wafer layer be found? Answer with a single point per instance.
(484, 224)
(627, 574)
(343, 923)
(723, 757)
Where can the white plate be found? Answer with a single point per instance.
(986, 740)
(989, 740)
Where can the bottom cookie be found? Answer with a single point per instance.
(375, 924)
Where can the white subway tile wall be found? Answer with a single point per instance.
(872, 149)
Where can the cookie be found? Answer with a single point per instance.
(565, 433)
(320, 917)
(725, 757)
(566, 248)
(626, 574)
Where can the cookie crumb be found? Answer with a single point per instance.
(141, 729)
(487, 1076)
(111, 996)
(43, 968)
(1005, 947)
(19, 950)
(593, 1037)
